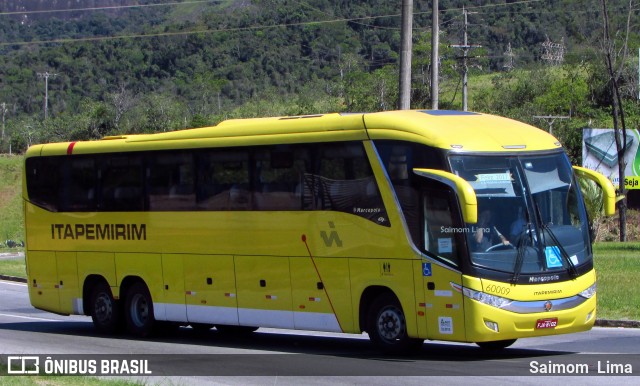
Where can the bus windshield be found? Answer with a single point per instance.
(531, 218)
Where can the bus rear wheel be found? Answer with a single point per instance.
(105, 310)
(139, 310)
(387, 327)
(496, 344)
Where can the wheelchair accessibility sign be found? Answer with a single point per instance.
(426, 269)
(554, 258)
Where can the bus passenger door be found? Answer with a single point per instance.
(264, 291)
(210, 289)
(442, 280)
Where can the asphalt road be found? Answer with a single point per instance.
(272, 356)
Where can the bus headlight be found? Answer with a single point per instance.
(482, 297)
(589, 292)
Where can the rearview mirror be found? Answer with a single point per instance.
(464, 192)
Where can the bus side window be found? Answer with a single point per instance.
(278, 177)
(80, 180)
(43, 179)
(171, 182)
(443, 234)
(223, 179)
(345, 183)
(122, 185)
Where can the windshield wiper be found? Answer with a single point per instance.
(573, 272)
(520, 248)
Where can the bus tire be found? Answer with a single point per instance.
(139, 310)
(387, 327)
(496, 344)
(104, 309)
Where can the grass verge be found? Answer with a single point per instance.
(618, 268)
(60, 380)
(13, 267)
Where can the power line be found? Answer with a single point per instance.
(114, 7)
(250, 28)
(178, 33)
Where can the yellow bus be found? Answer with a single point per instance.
(407, 225)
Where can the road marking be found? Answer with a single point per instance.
(30, 317)
(12, 283)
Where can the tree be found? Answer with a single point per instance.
(615, 59)
(594, 203)
(122, 101)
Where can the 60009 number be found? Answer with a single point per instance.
(498, 289)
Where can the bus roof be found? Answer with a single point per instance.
(452, 130)
(459, 130)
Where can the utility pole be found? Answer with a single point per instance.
(4, 112)
(435, 30)
(550, 119)
(465, 67)
(46, 76)
(405, 55)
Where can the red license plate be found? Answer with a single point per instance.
(547, 323)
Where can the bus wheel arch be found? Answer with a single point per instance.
(366, 299)
(99, 303)
(385, 322)
(138, 306)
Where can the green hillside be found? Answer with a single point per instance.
(11, 219)
(159, 66)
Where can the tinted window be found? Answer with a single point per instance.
(223, 179)
(122, 184)
(43, 178)
(399, 159)
(171, 181)
(279, 173)
(78, 193)
(345, 183)
(331, 176)
(441, 223)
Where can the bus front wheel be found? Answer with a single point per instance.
(387, 326)
(105, 311)
(139, 310)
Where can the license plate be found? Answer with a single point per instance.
(547, 323)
